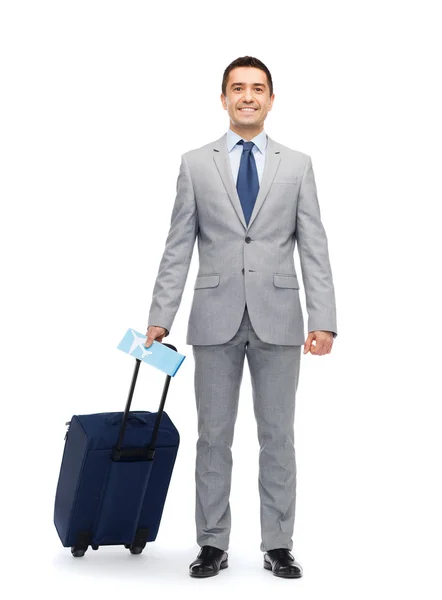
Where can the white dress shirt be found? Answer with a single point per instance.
(259, 152)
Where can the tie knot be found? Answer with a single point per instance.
(247, 145)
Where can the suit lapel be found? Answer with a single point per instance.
(222, 161)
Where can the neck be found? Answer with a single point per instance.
(247, 133)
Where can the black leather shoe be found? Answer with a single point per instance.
(282, 563)
(209, 562)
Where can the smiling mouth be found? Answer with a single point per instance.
(247, 110)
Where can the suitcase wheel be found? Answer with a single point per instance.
(139, 543)
(95, 546)
(82, 542)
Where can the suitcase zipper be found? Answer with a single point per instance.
(68, 424)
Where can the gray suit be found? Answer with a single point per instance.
(246, 302)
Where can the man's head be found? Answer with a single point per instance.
(247, 82)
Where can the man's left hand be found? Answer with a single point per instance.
(323, 342)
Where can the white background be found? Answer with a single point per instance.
(98, 102)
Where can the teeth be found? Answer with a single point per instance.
(247, 109)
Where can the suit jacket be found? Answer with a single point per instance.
(243, 264)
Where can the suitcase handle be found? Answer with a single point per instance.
(143, 453)
(116, 419)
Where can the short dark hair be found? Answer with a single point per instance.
(246, 61)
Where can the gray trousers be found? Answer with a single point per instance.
(274, 373)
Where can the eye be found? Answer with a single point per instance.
(240, 88)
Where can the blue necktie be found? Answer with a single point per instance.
(247, 183)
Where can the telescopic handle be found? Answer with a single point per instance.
(142, 452)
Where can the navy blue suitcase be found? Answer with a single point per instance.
(110, 493)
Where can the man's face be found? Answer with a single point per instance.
(247, 87)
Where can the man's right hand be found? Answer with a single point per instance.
(154, 333)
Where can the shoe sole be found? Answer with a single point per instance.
(268, 566)
(223, 565)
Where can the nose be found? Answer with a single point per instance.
(248, 95)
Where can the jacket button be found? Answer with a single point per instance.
(248, 240)
(243, 271)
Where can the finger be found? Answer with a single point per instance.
(322, 349)
(308, 343)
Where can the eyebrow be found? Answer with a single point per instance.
(242, 83)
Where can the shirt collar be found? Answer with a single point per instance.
(259, 140)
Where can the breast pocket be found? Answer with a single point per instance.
(285, 179)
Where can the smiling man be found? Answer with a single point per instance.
(248, 200)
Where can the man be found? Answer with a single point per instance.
(248, 200)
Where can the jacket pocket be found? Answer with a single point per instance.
(286, 280)
(206, 281)
(285, 179)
